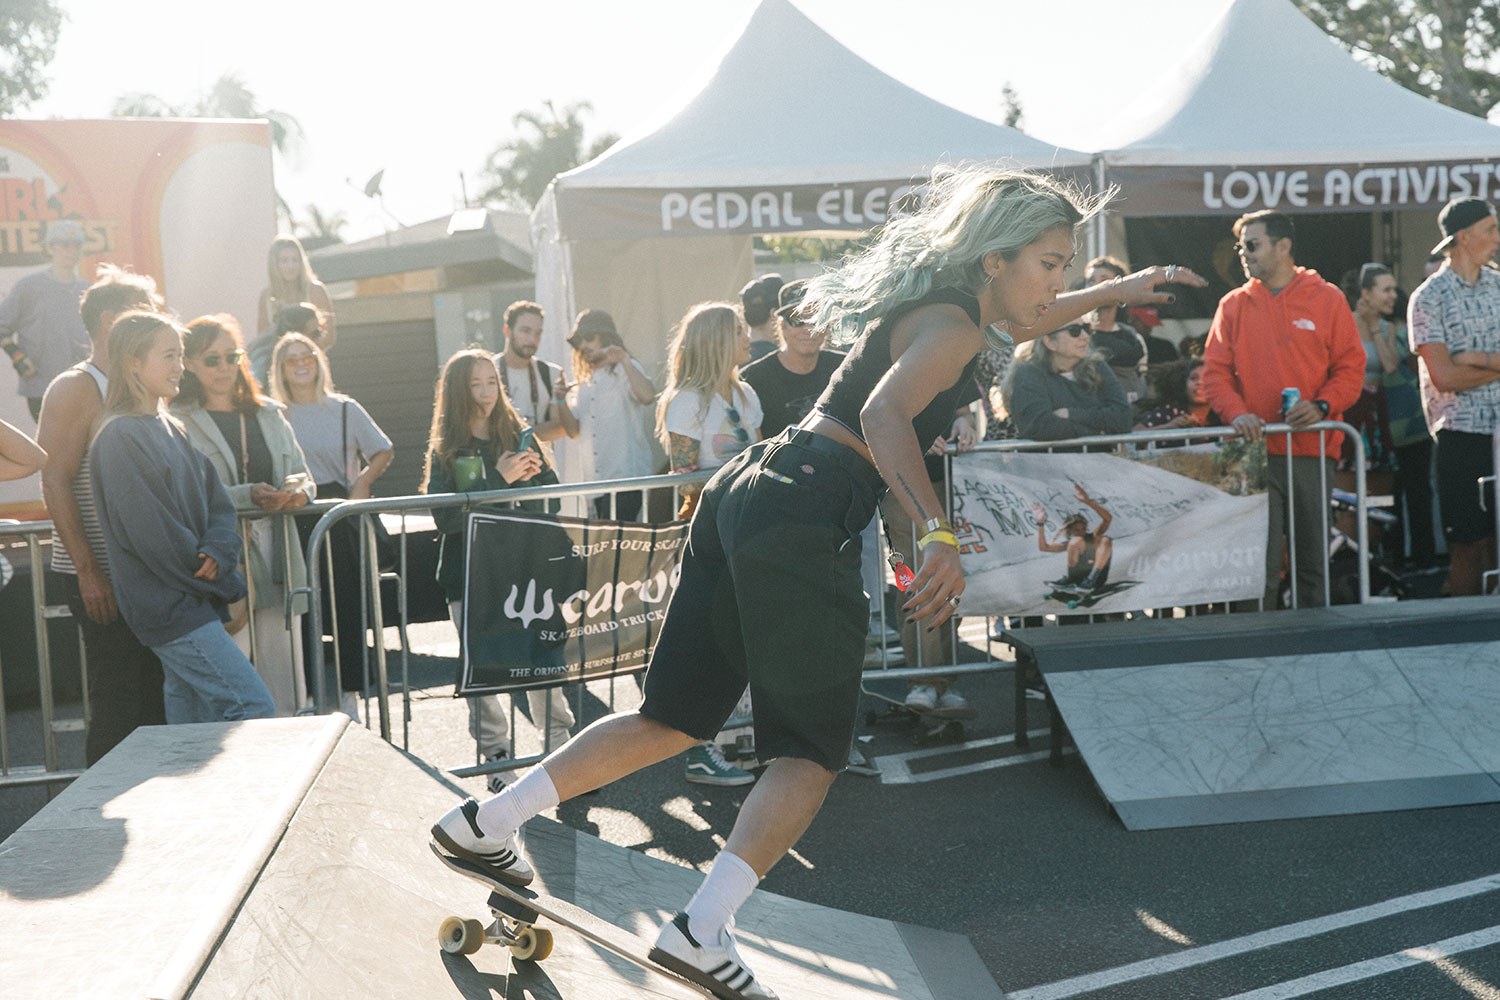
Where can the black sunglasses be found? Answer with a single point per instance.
(230, 358)
(1250, 246)
(1075, 331)
(740, 434)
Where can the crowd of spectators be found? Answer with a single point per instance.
(197, 426)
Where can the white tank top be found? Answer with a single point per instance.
(83, 492)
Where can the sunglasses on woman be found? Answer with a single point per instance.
(1075, 331)
(230, 358)
(740, 434)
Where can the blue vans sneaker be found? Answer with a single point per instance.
(716, 965)
(706, 766)
(458, 833)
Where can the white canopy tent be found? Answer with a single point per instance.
(792, 133)
(1267, 111)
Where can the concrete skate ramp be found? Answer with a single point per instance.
(288, 858)
(1223, 719)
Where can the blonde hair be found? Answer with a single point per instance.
(454, 408)
(284, 292)
(703, 356)
(966, 213)
(130, 340)
(277, 379)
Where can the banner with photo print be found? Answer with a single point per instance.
(1094, 533)
(551, 600)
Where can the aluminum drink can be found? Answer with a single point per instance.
(1290, 397)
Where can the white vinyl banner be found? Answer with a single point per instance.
(1094, 533)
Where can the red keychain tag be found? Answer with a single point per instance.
(903, 573)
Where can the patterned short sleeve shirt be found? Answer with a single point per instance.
(1465, 317)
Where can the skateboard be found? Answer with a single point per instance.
(1075, 597)
(933, 726)
(517, 910)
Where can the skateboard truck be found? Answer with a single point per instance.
(514, 926)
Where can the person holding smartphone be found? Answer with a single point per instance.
(479, 443)
(247, 438)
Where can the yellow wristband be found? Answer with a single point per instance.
(939, 535)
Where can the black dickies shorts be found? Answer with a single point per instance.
(771, 596)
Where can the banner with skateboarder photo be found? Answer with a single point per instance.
(1088, 534)
(552, 600)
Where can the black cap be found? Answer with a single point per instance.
(1458, 215)
(790, 298)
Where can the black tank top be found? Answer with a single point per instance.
(870, 359)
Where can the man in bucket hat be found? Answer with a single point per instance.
(1454, 325)
(40, 326)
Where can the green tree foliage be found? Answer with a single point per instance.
(551, 142)
(1442, 49)
(795, 249)
(28, 39)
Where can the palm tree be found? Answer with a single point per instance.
(228, 97)
(519, 170)
(320, 230)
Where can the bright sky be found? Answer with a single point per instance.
(425, 91)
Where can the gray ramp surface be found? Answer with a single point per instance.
(1298, 714)
(288, 858)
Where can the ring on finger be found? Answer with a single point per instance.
(1171, 272)
(953, 601)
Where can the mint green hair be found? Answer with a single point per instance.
(966, 213)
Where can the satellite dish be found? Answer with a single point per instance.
(372, 186)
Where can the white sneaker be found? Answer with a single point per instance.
(716, 966)
(458, 833)
(950, 701)
(922, 698)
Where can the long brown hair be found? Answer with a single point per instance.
(454, 408)
(246, 397)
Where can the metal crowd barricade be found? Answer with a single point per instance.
(49, 771)
(1491, 575)
(378, 679)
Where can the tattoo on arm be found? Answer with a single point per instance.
(912, 496)
(684, 451)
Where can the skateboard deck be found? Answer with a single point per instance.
(517, 910)
(1076, 597)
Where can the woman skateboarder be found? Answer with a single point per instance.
(770, 591)
(1089, 552)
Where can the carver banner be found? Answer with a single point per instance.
(550, 600)
(1093, 533)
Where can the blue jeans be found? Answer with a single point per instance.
(205, 678)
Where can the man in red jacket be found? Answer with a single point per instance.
(1285, 328)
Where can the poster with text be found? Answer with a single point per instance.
(550, 600)
(1095, 533)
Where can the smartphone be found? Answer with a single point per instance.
(528, 439)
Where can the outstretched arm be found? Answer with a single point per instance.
(1105, 517)
(1039, 515)
(1143, 288)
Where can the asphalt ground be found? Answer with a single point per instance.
(1026, 859)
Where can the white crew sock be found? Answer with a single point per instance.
(503, 815)
(729, 883)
